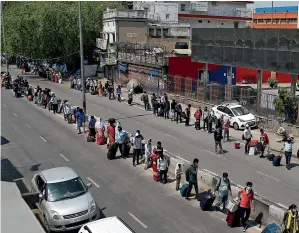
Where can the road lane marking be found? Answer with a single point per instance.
(217, 155)
(176, 156)
(137, 220)
(270, 177)
(94, 105)
(4, 105)
(138, 107)
(15, 115)
(170, 136)
(43, 139)
(28, 126)
(64, 157)
(139, 123)
(94, 183)
(60, 116)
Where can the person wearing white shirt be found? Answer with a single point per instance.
(247, 137)
(67, 110)
(147, 154)
(137, 147)
(162, 168)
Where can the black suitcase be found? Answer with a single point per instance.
(276, 161)
(270, 157)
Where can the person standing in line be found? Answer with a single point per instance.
(137, 147)
(288, 150)
(172, 107)
(54, 102)
(118, 92)
(79, 84)
(205, 116)
(264, 139)
(178, 176)
(92, 126)
(163, 167)
(154, 103)
(144, 99)
(290, 220)
(122, 141)
(178, 111)
(218, 138)
(67, 110)
(226, 124)
(211, 119)
(80, 118)
(224, 189)
(197, 116)
(247, 137)
(166, 108)
(130, 97)
(188, 115)
(246, 197)
(148, 153)
(192, 172)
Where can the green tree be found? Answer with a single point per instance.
(286, 104)
(273, 82)
(50, 29)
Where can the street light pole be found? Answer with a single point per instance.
(3, 32)
(82, 59)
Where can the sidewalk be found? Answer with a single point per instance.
(234, 134)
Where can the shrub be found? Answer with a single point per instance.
(273, 82)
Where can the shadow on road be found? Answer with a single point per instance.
(10, 173)
(4, 140)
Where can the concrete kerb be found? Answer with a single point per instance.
(266, 211)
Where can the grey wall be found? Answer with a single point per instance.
(267, 49)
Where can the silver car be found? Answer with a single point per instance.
(65, 201)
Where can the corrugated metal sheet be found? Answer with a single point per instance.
(277, 9)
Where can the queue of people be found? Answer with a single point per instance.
(154, 157)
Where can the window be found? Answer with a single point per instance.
(240, 111)
(220, 108)
(183, 7)
(167, 16)
(40, 183)
(236, 24)
(65, 190)
(151, 32)
(209, 21)
(221, 23)
(200, 21)
(228, 111)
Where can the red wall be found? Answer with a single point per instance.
(183, 66)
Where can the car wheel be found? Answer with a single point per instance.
(46, 225)
(236, 126)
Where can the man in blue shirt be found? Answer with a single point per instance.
(122, 141)
(92, 126)
(80, 120)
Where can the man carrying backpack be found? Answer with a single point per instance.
(191, 177)
(223, 188)
(218, 137)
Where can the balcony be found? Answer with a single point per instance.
(125, 14)
(273, 26)
(231, 12)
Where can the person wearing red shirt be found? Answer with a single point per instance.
(264, 140)
(197, 116)
(246, 196)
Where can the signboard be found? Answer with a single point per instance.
(243, 12)
(101, 43)
(263, 49)
(199, 6)
(132, 35)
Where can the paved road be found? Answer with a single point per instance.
(34, 139)
(276, 183)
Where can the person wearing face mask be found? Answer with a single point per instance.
(247, 137)
(246, 197)
(137, 147)
(290, 220)
(224, 189)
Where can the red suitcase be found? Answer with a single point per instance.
(233, 219)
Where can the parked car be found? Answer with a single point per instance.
(239, 115)
(111, 225)
(65, 201)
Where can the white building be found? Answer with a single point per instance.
(199, 14)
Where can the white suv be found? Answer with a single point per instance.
(239, 116)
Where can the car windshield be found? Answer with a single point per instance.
(240, 111)
(65, 190)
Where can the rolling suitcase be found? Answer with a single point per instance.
(276, 161)
(272, 228)
(207, 201)
(233, 219)
(183, 190)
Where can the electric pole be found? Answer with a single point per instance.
(82, 59)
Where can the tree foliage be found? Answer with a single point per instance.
(273, 82)
(45, 29)
(286, 104)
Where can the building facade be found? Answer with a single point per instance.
(278, 17)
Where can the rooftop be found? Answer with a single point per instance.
(137, 14)
(16, 216)
(59, 174)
